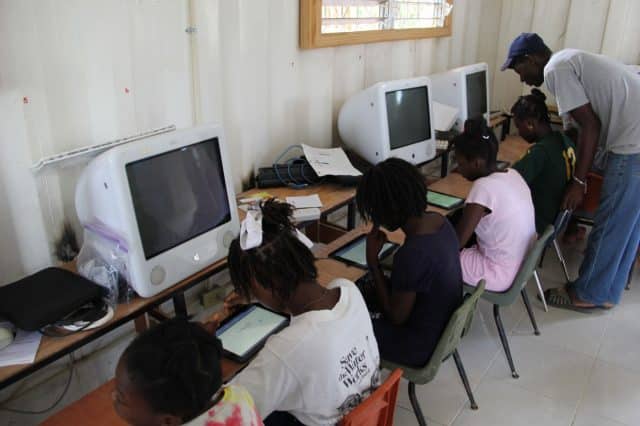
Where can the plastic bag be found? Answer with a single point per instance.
(103, 259)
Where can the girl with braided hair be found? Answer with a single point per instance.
(498, 209)
(170, 375)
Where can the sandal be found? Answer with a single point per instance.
(559, 298)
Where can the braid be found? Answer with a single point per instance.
(391, 192)
(176, 367)
(531, 106)
(280, 263)
(477, 141)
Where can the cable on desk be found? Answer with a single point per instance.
(55, 403)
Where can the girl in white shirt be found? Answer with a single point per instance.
(326, 361)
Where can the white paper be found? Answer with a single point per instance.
(303, 215)
(444, 116)
(22, 350)
(305, 201)
(329, 161)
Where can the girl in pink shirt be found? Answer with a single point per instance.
(499, 209)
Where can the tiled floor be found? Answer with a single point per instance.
(583, 370)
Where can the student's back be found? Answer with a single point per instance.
(321, 366)
(505, 234)
(429, 265)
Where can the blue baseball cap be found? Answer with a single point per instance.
(524, 44)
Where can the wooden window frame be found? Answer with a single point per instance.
(311, 35)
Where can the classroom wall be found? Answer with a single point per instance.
(79, 72)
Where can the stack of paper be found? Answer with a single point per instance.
(306, 208)
(22, 350)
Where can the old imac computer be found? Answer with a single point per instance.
(466, 89)
(170, 197)
(390, 119)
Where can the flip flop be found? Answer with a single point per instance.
(558, 298)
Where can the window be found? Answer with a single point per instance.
(335, 22)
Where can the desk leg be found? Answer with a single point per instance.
(351, 215)
(141, 323)
(444, 164)
(506, 128)
(180, 305)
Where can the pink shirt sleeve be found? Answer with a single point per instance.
(481, 194)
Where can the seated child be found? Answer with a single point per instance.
(426, 282)
(549, 163)
(498, 209)
(170, 375)
(326, 361)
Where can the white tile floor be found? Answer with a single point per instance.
(583, 370)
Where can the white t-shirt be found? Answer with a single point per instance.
(321, 366)
(576, 78)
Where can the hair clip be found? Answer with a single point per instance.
(485, 137)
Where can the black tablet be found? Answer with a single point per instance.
(444, 201)
(502, 165)
(355, 253)
(243, 334)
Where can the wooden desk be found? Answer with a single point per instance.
(511, 150)
(51, 349)
(97, 404)
(504, 121)
(333, 197)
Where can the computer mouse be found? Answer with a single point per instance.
(6, 337)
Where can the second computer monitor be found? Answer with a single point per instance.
(466, 89)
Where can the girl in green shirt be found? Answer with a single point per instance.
(549, 164)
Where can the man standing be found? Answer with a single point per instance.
(602, 96)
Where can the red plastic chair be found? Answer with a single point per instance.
(379, 407)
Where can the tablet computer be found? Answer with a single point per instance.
(243, 334)
(355, 253)
(444, 201)
(502, 165)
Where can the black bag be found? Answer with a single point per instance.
(46, 297)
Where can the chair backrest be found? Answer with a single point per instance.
(379, 407)
(458, 324)
(561, 221)
(530, 262)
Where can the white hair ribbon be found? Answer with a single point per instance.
(251, 232)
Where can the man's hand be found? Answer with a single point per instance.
(573, 196)
(375, 240)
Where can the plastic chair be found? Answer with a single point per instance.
(561, 222)
(458, 324)
(526, 271)
(379, 407)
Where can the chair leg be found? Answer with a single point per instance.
(465, 380)
(416, 406)
(540, 290)
(532, 317)
(561, 258)
(503, 339)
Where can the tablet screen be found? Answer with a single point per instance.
(248, 329)
(356, 252)
(443, 200)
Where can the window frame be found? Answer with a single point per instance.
(311, 36)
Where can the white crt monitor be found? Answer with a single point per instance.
(465, 88)
(170, 197)
(390, 119)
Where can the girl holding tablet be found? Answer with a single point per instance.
(326, 361)
(498, 209)
(426, 283)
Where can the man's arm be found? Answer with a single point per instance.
(587, 143)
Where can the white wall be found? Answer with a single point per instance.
(95, 70)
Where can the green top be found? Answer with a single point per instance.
(547, 167)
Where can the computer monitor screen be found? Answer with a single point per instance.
(408, 116)
(476, 94)
(178, 195)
